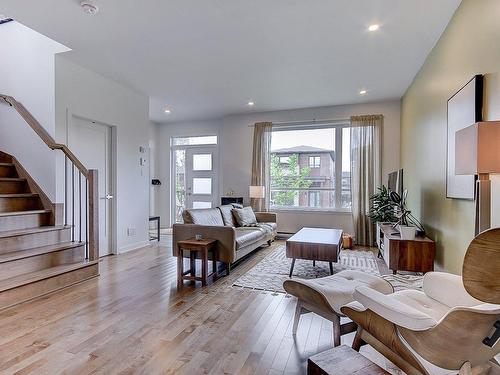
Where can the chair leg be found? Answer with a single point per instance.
(291, 267)
(336, 331)
(296, 319)
(358, 341)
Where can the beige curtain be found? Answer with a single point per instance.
(366, 134)
(261, 162)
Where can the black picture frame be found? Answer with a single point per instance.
(464, 108)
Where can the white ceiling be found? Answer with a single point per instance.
(207, 58)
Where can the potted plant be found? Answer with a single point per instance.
(382, 206)
(407, 224)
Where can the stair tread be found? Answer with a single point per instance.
(8, 179)
(20, 232)
(21, 254)
(6, 164)
(30, 212)
(19, 195)
(32, 277)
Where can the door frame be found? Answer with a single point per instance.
(113, 180)
(216, 164)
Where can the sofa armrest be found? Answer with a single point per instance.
(266, 217)
(393, 310)
(225, 236)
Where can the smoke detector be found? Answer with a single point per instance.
(89, 7)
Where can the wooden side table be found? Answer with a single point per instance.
(342, 360)
(203, 247)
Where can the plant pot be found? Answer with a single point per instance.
(407, 232)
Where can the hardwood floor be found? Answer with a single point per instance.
(133, 320)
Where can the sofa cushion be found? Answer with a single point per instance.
(245, 217)
(248, 236)
(227, 215)
(203, 216)
(270, 227)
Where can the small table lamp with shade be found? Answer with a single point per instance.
(258, 193)
(477, 152)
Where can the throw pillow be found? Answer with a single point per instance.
(245, 217)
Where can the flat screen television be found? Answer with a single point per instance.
(395, 181)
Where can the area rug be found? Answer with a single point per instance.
(271, 271)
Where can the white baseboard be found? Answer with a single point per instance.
(133, 246)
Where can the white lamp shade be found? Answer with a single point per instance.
(257, 191)
(477, 149)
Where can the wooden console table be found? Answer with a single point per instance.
(405, 255)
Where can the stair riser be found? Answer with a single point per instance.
(4, 158)
(7, 171)
(29, 241)
(40, 262)
(24, 221)
(20, 204)
(13, 187)
(26, 292)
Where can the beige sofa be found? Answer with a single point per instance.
(233, 242)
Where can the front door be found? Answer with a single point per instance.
(91, 143)
(195, 181)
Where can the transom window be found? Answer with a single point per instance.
(310, 167)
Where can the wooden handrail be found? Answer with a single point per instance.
(43, 134)
(91, 182)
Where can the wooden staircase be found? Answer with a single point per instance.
(38, 252)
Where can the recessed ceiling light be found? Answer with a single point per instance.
(167, 110)
(373, 27)
(362, 92)
(251, 104)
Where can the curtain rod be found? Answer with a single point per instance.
(309, 122)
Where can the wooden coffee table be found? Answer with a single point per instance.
(314, 244)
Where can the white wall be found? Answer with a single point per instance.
(27, 74)
(468, 46)
(236, 139)
(84, 93)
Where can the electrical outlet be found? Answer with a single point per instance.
(130, 232)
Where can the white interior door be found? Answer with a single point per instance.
(91, 142)
(201, 177)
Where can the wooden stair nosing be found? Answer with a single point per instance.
(19, 195)
(19, 213)
(28, 253)
(23, 232)
(21, 280)
(12, 179)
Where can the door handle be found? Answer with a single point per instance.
(108, 197)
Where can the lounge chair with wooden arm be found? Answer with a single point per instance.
(452, 326)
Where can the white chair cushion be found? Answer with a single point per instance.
(421, 302)
(448, 289)
(405, 313)
(338, 289)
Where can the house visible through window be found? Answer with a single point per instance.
(314, 161)
(310, 167)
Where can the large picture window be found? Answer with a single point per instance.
(310, 167)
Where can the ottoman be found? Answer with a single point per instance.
(325, 296)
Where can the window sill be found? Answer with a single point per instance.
(342, 211)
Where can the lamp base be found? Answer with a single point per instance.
(483, 203)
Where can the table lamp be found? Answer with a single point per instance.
(477, 152)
